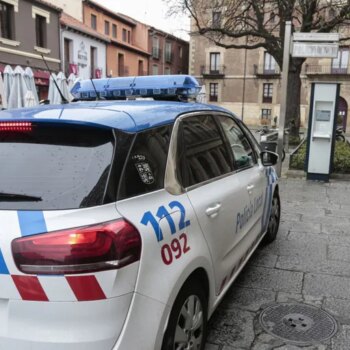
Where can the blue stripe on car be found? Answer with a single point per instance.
(3, 268)
(31, 222)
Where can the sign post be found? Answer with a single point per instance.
(320, 45)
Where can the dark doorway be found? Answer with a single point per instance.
(342, 113)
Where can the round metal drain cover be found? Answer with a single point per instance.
(298, 323)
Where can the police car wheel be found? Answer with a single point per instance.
(274, 220)
(188, 319)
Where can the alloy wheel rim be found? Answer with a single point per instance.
(189, 326)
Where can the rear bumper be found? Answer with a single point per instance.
(92, 325)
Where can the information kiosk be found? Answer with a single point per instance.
(321, 132)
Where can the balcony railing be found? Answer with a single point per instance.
(325, 69)
(266, 71)
(123, 71)
(71, 68)
(213, 72)
(168, 57)
(156, 53)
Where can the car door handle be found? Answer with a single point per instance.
(213, 211)
(250, 188)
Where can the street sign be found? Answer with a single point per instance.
(311, 49)
(316, 37)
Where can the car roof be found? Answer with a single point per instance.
(128, 116)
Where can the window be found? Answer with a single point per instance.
(93, 60)
(243, 153)
(180, 51)
(213, 92)
(155, 47)
(167, 70)
(269, 64)
(216, 19)
(6, 20)
(114, 30)
(40, 28)
(124, 35)
(145, 168)
(129, 36)
(168, 52)
(155, 69)
(67, 55)
(267, 93)
(121, 68)
(340, 64)
(93, 22)
(266, 114)
(106, 27)
(214, 62)
(77, 164)
(202, 153)
(140, 69)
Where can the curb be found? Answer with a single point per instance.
(300, 174)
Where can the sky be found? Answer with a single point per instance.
(152, 12)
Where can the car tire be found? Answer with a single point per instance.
(188, 319)
(274, 220)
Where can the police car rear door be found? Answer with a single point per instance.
(214, 190)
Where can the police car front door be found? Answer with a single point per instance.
(214, 191)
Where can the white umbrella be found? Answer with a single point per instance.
(8, 80)
(18, 89)
(3, 102)
(30, 82)
(29, 99)
(63, 85)
(52, 89)
(71, 81)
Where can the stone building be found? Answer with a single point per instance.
(29, 29)
(248, 82)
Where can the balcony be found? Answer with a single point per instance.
(267, 72)
(71, 68)
(156, 53)
(123, 71)
(210, 72)
(325, 70)
(168, 57)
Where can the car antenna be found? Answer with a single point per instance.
(98, 98)
(64, 100)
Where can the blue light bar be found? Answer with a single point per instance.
(165, 87)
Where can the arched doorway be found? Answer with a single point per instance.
(342, 112)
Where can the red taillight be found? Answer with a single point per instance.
(106, 246)
(15, 126)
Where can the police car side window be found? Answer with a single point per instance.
(145, 168)
(202, 153)
(244, 156)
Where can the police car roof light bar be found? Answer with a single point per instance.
(160, 87)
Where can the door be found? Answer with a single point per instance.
(214, 190)
(252, 177)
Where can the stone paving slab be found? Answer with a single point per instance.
(308, 263)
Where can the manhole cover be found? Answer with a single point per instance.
(298, 323)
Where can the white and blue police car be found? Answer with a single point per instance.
(124, 222)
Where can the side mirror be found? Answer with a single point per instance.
(269, 158)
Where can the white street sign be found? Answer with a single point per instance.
(316, 37)
(319, 50)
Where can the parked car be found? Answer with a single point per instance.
(124, 223)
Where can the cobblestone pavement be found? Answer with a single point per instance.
(309, 263)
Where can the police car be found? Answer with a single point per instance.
(124, 222)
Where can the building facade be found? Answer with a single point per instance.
(84, 51)
(248, 82)
(127, 53)
(29, 29)
(168, 54)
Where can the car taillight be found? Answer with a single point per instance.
(15, 126)
(106, 246)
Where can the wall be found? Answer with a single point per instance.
(72, 7)
(81, 41)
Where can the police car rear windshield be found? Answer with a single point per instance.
(53, 167)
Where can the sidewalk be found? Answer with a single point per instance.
(309, 263)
